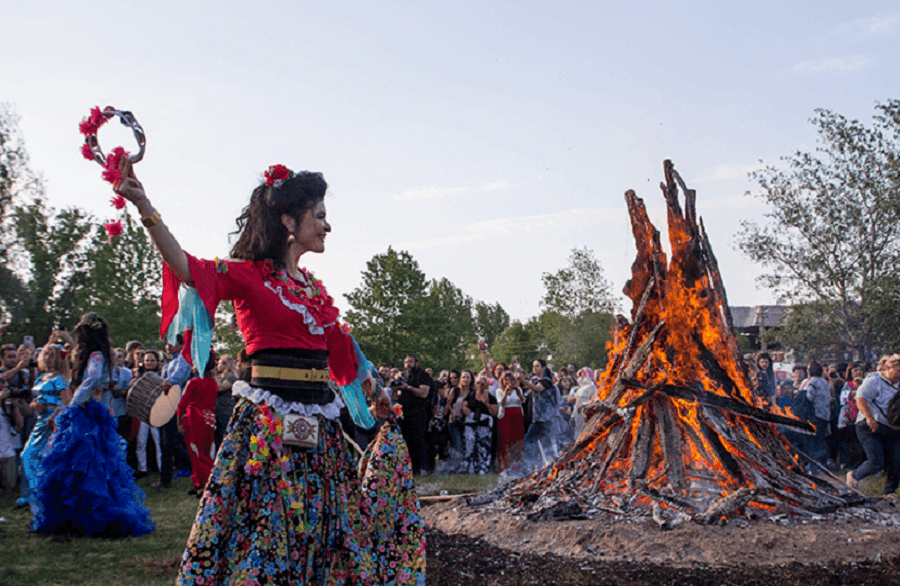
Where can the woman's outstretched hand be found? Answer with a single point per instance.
(130, 188)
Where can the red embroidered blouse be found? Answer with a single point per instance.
(273, 311)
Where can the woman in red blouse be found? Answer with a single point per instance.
(197, 423)
(284, 503)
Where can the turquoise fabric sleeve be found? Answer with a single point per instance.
(192, 315)
(354, 397)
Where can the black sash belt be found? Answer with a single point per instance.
(294, 375)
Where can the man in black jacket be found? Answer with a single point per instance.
(414, 395)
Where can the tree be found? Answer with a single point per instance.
(17, 183)
(831, 241)
(47, 249)
(227, 336)
(443, 324)
(121, 280)
(383, 314)
(578, 287)
(490, 321)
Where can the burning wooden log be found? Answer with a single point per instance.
(675, 424)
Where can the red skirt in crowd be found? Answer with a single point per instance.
(510, 437)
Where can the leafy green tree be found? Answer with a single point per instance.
(48, 257)
(384, 306)
(17, 184)
(121, 280)
(579, 287)
(490, 321)
(443, 324)
(227, 336)
(520, 341)
(832, 239)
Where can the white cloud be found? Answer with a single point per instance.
(494, 186)
(430, 193)
(882, 25)
(836, 65)
(730, 171)
(438, 192)
(577, 218)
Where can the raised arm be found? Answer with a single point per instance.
(132, 190)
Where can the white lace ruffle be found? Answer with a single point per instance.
(308, 319)
(330, 411)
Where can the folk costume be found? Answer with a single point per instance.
(197, 413)
(84, 484)
(286, 503)
(47, 391)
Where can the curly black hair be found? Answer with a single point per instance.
(261, 234)
(91, 335)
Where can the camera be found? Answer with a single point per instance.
(397, 382)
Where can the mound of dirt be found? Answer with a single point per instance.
(859, 535)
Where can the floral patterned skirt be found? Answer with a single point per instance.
(306, 516)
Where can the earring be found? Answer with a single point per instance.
(291, 239)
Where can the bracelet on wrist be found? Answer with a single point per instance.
(151, 220)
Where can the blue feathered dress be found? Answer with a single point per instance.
(84, 484)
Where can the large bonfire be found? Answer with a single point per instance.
(676, 427)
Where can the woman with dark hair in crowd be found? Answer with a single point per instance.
(539, 445)
(84, 485)
(479, 409)
(880, 441)
(150, 362)
(765, 378)
(285, 502)
(462, 381)
(850, 450)
(511, 426)
(49, 392)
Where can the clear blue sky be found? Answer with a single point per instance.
(486, 138)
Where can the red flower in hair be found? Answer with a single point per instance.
(113, 229)
(277, 174)
(118, 202)
(87, 152)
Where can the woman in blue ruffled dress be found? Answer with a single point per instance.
(84, 486)
(48, 392)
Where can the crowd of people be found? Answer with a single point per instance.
(847, 404)
(502, 419)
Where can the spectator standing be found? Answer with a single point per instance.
(511, 432)
(850, 450)
(816, 392)
(539, 437)
(48, 396)
(880, 441)
(150, 363)
(414, 395)
(584, 394)
(461, 382)
(176, 372)
(226, 376)
(479, 409)
(11, 424)
(197, 423)
(765, 378)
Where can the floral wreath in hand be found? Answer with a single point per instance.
(115, 165)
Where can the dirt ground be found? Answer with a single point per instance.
(477, 545)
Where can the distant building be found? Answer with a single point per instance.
(753, 321)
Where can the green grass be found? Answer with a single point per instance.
(454, 483)
(27, 559)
